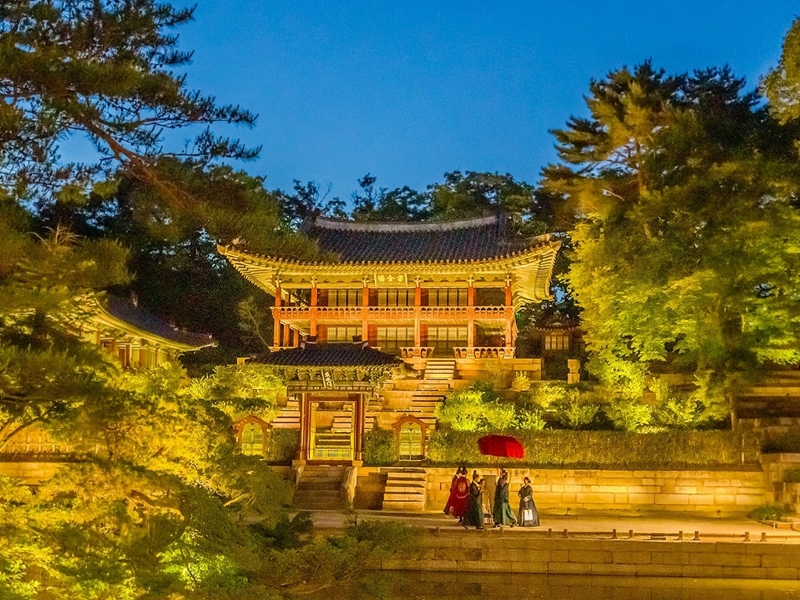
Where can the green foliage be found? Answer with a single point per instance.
(678, 449)
(530, 420)
(575, 413)
(106, 70)
(683, 183)
(782, 85)
(769, 512)
(282, 446)
(380, 447)
(784, 443)
(474, 409)
(242, 390)
(547, 394)
(629, 415)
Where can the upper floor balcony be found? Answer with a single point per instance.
(392, 314)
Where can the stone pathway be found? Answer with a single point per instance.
(590, 525)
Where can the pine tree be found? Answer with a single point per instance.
(687, 251)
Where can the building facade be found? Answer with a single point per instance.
(394, 315)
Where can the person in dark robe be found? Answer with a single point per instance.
(459, 495)
(474, 514)
(528, 516)
(502, 513)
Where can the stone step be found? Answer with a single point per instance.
(401, 506)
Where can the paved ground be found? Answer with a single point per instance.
(589, 525)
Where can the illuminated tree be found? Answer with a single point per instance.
(688, 249)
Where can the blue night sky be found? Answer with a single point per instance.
(407, 91)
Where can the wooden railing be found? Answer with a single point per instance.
(483, 352)
(394, 313)
(416, 352)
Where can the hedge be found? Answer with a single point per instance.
(678, 449)
(282, 446)
(380, 448)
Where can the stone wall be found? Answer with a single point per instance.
(519, 552)
(31, 473)
(556, 490)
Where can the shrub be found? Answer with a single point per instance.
(522, 382)
(769, 512)
(380, 448)
(679, 410)
(629, 415)
(475, 409)
(530, 420)
(546, 394)
(575, 414)
(282, 446)
(677, 449)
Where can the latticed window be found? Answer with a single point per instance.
(556, 341)
(399, 297)
(447, 337)
(447, 297)
(344, 297)
(410, 441)
(391, 339)
(343, 334)
(253, 439)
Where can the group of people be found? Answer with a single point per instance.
(466, 502)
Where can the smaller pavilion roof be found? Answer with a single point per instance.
(331, 355)
(121, 313)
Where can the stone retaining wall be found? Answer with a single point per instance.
(715, 493)
(706, 492)
(520, 552)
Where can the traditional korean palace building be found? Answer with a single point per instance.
(376, 333)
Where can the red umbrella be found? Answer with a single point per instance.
(501, 445)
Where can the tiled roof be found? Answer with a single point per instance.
(467, 240)
(330, 355)
(126, 311)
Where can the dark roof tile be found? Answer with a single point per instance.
(330, 355)
(467, 240)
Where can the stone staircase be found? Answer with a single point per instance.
(778, 395)
(405, 490)
(439, 369)
(320, 488)
(288, 417)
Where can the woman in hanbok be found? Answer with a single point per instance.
(503, 515)
(528, 516)
(459, 495)
(474, 514)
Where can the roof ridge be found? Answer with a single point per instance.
(404, 226)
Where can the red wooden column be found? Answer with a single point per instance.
(470, 316)
(313, 310)
(365, 311)
(510, 321)
(358, 430)
(417, 317)
(276, 316)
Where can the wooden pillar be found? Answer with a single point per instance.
(417, 315)
(365, 311)
(313, 310)
(358, 430)
(470, 315)
(276, 316)
(511, 325)
(287, 335)
(305, 427)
